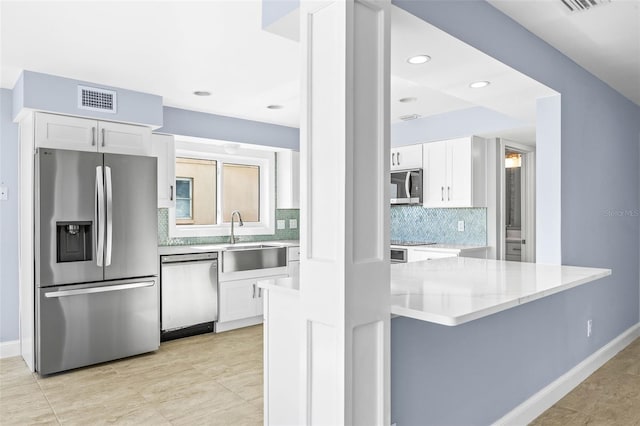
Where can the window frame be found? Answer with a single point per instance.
(226, 152)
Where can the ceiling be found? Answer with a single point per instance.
(605, 39)
(175, 48)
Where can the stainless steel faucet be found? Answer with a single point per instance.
(232, 238)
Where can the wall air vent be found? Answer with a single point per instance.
(94, 99)
(409, 117)
(580, 5)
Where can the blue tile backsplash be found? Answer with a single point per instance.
(281, 234)
(415, 223)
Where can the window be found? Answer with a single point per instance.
(213, 180)
(241, 191)
(199, 197)
(184, 200)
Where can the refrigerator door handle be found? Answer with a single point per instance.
(109, 245)
(99, 216)
(103, 289)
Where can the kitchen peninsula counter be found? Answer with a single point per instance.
(456, 290)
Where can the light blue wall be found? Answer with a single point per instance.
(203, 125)
(496, 363)
(45, 92)
(450, 125)
(8, 221)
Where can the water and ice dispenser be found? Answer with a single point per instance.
(73, 241)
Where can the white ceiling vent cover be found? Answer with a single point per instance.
(579, 5)
(94, 99)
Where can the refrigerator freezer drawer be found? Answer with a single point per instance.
(86, 324)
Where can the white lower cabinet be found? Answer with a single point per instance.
(239, 300)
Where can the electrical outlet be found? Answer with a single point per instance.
(293, 223)
(589, 328)
(281, 224)
(461, 225)
(4, 193)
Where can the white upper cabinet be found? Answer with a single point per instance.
(406, 157)
(84, 134)
(455, 173)
(118, 138)
(288, 180)
(163, 146)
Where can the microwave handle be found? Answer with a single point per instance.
(407, 184)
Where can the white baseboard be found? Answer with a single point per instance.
(232, 325)
(541, 401)
(9, 349)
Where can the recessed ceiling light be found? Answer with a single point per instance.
(275, 106)
(202, 93)
(479, 84)
(407, 100)
(419, 59)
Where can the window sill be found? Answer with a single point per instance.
(177, 231)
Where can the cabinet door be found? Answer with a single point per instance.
(238, 300)
(458, 192)
(118, 138)
(163, 146)
(406, 157)
(434, 174)
(288, 180)
(62, 132)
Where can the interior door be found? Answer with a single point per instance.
(131, 248)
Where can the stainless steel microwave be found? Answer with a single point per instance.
(406, 187)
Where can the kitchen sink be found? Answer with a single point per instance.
(249, 257)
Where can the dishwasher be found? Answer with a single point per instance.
(188, 294)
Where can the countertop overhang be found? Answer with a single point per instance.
(456, 290)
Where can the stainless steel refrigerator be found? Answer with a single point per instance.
(97, 296)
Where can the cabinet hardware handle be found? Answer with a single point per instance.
(253, 296)
(448, 193)
(516, 249)
(393, 158)
(171, 189)
(398, 158)
(103, 136)
(442, 192)
(93, 136)
(259, 292)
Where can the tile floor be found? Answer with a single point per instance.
(213, 379)
(610, 396)
(217, 379)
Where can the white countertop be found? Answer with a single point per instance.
(457, 290)
(198, 248)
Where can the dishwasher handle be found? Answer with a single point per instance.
(189, 258)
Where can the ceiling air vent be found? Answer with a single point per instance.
(95, 99)
(579, 5)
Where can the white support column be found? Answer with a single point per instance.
(344, 272)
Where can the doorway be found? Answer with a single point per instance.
(517, 221)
